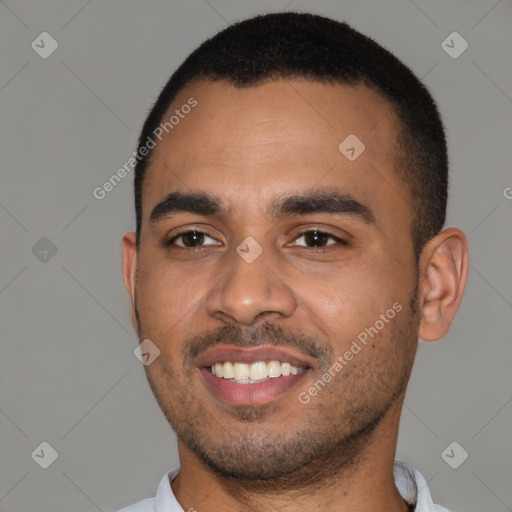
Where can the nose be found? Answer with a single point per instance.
(249, 291)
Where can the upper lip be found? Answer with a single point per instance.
(251, 355)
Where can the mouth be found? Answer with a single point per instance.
(251, 376)
(260, 371)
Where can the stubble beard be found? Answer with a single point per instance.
(335, 431)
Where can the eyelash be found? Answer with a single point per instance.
(338, 240)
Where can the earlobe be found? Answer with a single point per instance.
(129, 270)
(444, 265)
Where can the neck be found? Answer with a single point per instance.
(364, 484)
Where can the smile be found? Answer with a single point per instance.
(252, 376)
(260, 371)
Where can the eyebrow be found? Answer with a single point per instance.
(318, 201)
(322, 201)
(177, 202)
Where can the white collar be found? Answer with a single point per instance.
(408, 480)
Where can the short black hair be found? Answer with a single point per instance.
(303, 45)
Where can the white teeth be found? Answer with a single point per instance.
(274, 369)
(241, 371)
(256, 372)
(228, 372)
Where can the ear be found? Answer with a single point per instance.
(444, 263)
(129, 270)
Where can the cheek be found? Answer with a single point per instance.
(349, 300)
(168, 296)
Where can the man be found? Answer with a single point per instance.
(290, 196)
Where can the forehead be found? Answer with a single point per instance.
(286, 111)
(286, 134)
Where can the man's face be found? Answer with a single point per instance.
(304, 300)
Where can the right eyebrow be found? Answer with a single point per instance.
(176, 202)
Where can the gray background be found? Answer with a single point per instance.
(68, 122)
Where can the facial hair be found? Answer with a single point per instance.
(332, 432)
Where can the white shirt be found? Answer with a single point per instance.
(408, 480)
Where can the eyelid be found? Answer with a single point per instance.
(170, 240)
(299, 232)
(334, 241)
(339, 235)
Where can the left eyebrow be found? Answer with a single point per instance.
(322, 201)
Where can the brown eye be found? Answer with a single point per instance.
(191, 238)
(316, 238)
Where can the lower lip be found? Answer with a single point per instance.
(250, 394)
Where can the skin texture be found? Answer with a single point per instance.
(249, 147)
